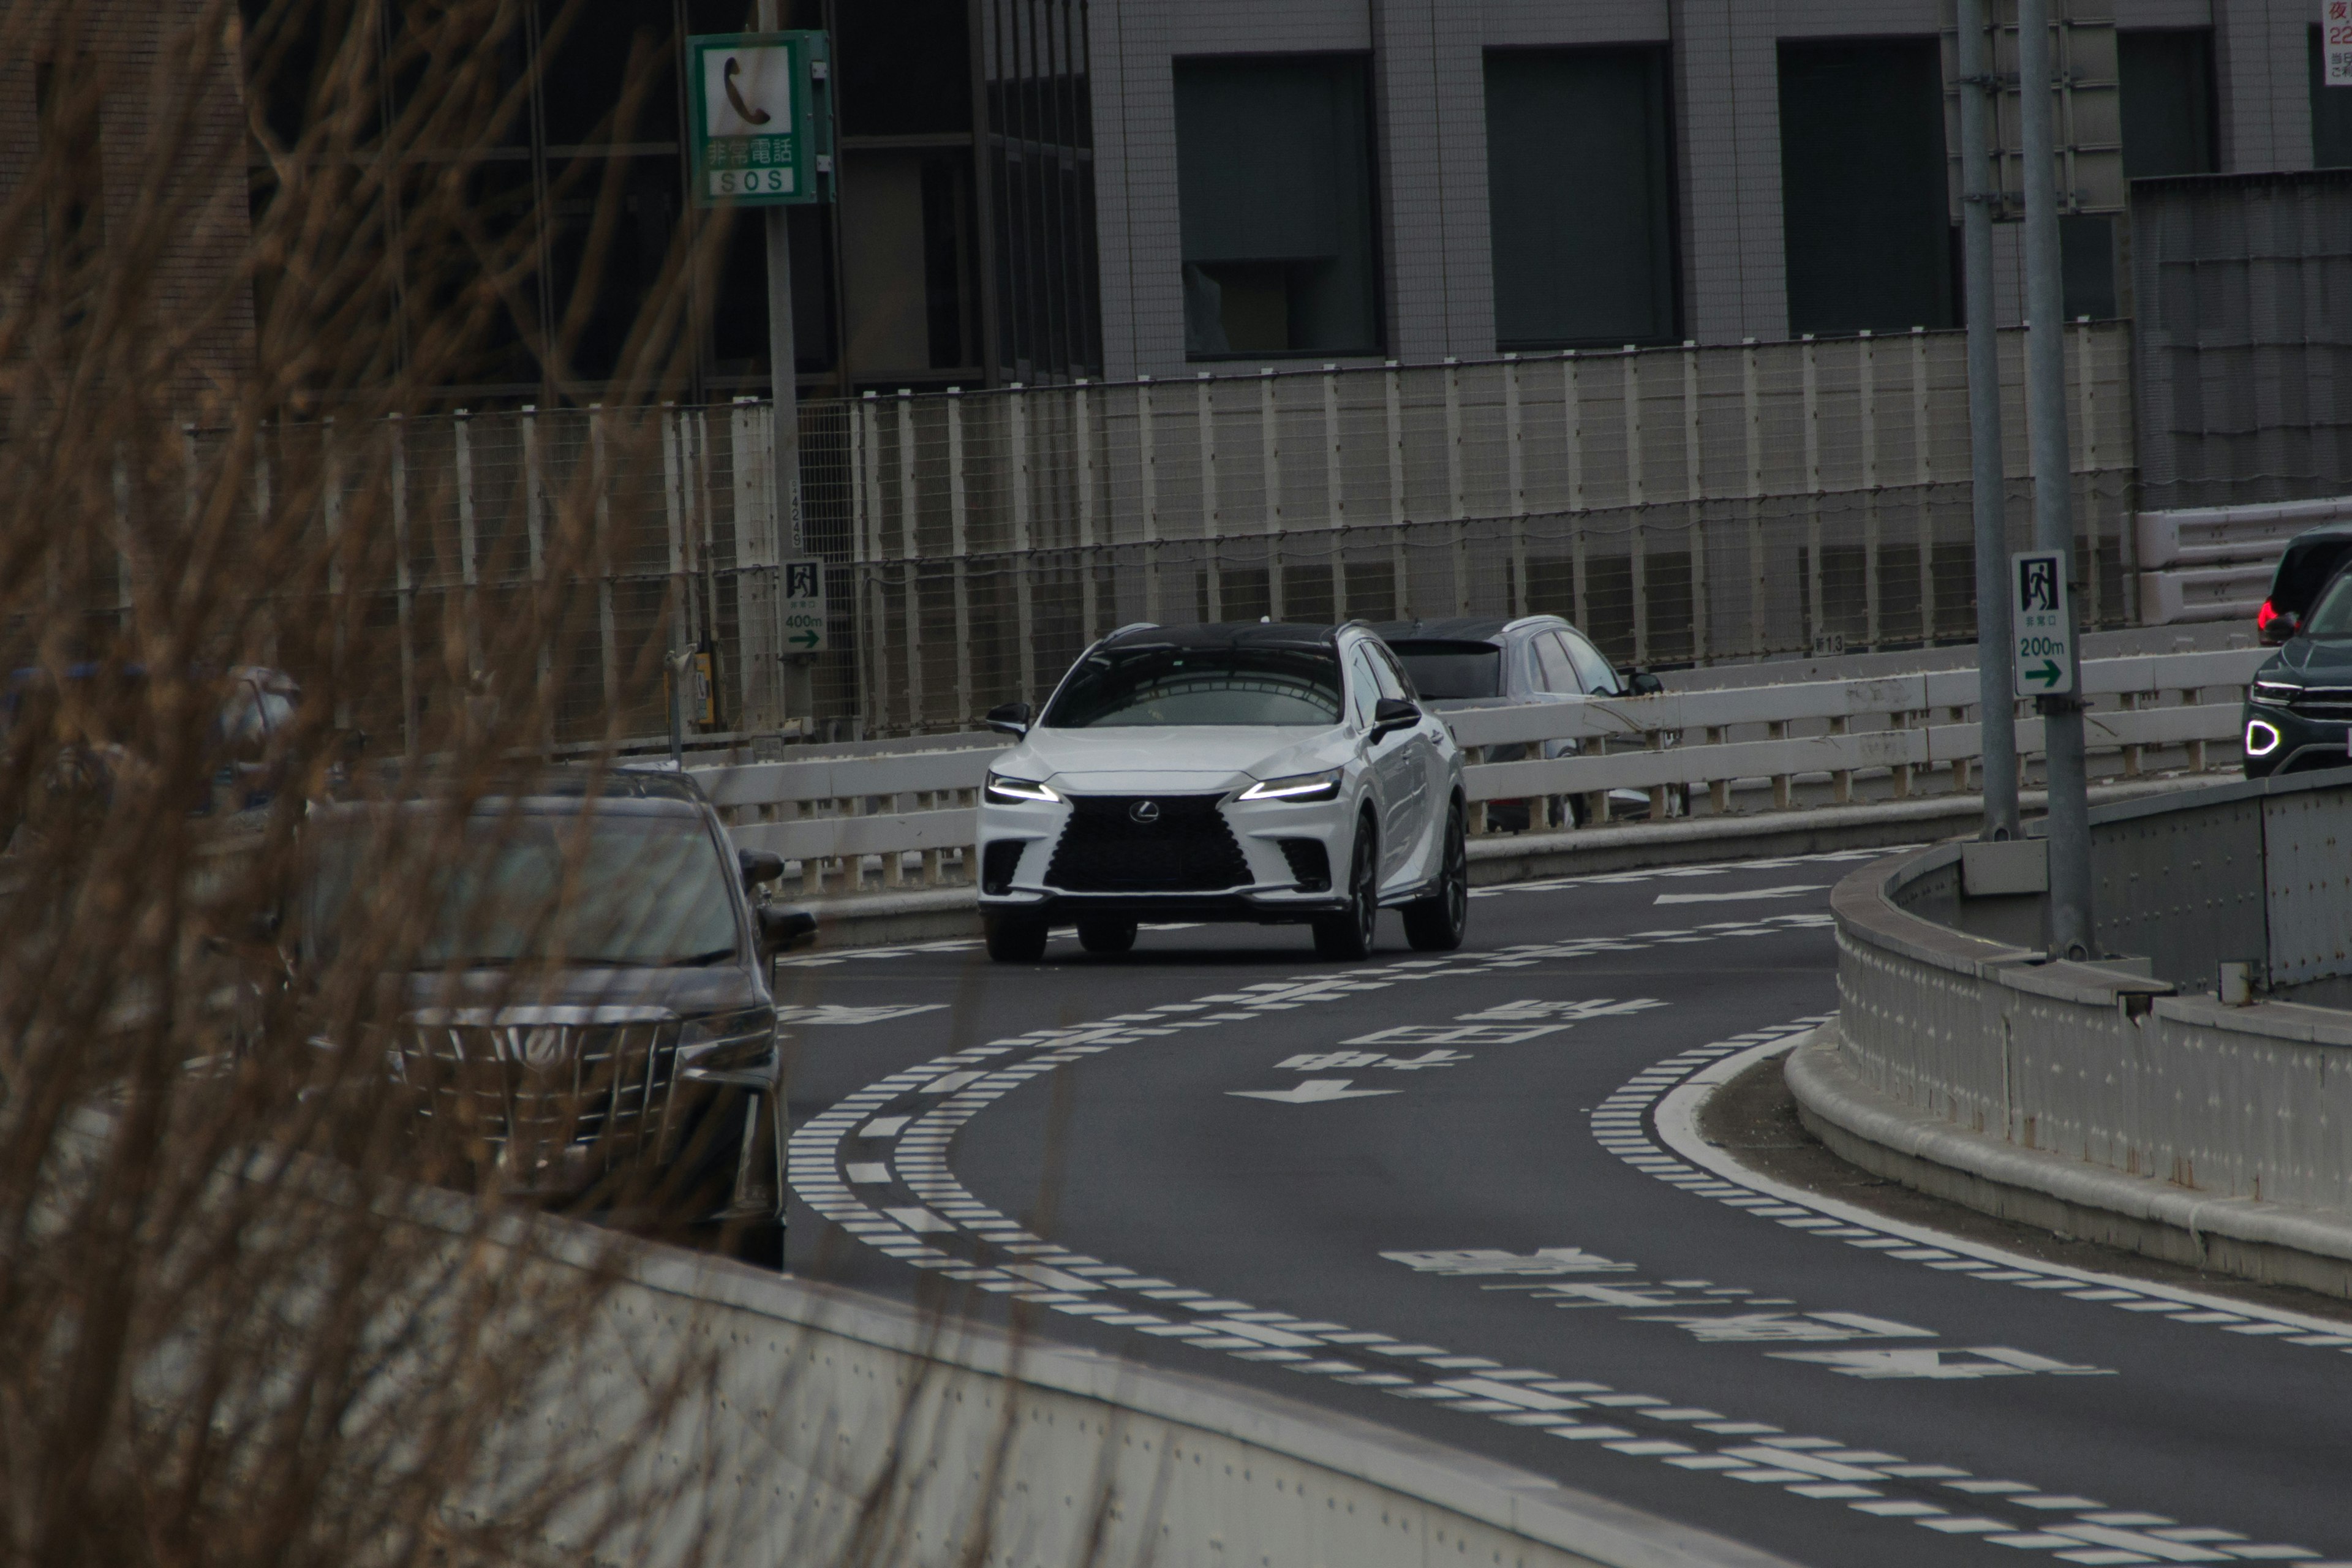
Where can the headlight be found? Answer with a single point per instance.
(1007, 791)
(2260, 739)
(1297, 787)
(2277, 693)
(728, 1042)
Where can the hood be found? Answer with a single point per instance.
(578, 995)
(2326, 661)
(1198, 759)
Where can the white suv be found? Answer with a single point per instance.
(1260, 772)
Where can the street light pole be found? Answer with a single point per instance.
(1988, 480)
(2071, 928)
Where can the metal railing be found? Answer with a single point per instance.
(850, 823)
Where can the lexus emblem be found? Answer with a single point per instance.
(1144, 812)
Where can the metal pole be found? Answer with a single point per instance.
(1996, 701)
(783, 377)
(2053, 512)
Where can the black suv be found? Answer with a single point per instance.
(586, 1009)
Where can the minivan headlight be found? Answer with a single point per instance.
(1299, 788)
(728, 1042)
(1007, 790)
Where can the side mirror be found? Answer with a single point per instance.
(2282, 627)
(758, 866)
(783, 927)
(1393, 713)
(1644, 684)
(1013, 718)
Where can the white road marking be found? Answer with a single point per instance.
(835, 1012)
(1790, 891)
(817, 1149)
(1313, 1091)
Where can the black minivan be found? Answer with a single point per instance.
(580, 1009)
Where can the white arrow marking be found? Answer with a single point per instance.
(1790, 891)
(1313, 1091)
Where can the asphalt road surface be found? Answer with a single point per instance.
(1464, 1195)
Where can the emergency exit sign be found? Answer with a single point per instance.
(761, 118)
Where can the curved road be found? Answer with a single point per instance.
(1464, 1195)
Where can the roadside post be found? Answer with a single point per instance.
(762, 137)
(2071, 925)
(1979, 194)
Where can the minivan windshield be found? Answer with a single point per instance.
(2332, 617)
(1198, 686)
(1443, 670)
(641, 890)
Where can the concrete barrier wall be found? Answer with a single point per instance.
(2100, 1098)
(843, 1428)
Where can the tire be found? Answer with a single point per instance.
(1103, 935)
(1348, 935)
(1436, 923)
(1015, 939)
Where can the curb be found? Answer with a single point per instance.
(874, 920)
(2277, 1244)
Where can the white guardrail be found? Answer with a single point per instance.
(855, 822)
(2214, 563)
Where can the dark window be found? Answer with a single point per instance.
(906, 67)
(1273, 174)
(906, 226)
(1862, 201)
(1579, 196)
(2331, 116)
(608, 72)
(2086, 261)
(2168, 101)
(1452, 669)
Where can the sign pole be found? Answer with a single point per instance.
(1996, 698)
(783, 374)
(2071, 928)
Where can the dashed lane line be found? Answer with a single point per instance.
(951, 1233)
(1651, 1123)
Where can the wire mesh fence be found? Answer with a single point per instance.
(1681, 505)
(612, 537)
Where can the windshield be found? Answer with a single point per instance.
(1200, 686)
(2332, 617)
(1452, 669)
(644, 891)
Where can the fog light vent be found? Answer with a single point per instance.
(1310, 866)
(998, 862)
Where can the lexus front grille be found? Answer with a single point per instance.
(1146, 844)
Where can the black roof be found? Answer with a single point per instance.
(1450, 629)
(1226, 634)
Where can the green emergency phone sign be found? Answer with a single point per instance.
(761, 118)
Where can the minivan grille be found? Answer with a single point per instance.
(1186, 849)
(547, 1084)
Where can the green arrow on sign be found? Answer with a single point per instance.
(810, 639)
(2048, 674)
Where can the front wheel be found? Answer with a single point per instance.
(1348, 934)
(1100, 934)
(1014, 938)
(1436, 923)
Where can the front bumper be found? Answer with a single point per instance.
(2278, 740)
(1292, 865)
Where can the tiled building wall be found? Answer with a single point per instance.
(1427, 70)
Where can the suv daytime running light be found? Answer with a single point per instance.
(1296, 788)
(2261, 739)
(1007, 789)
(2275, 692)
